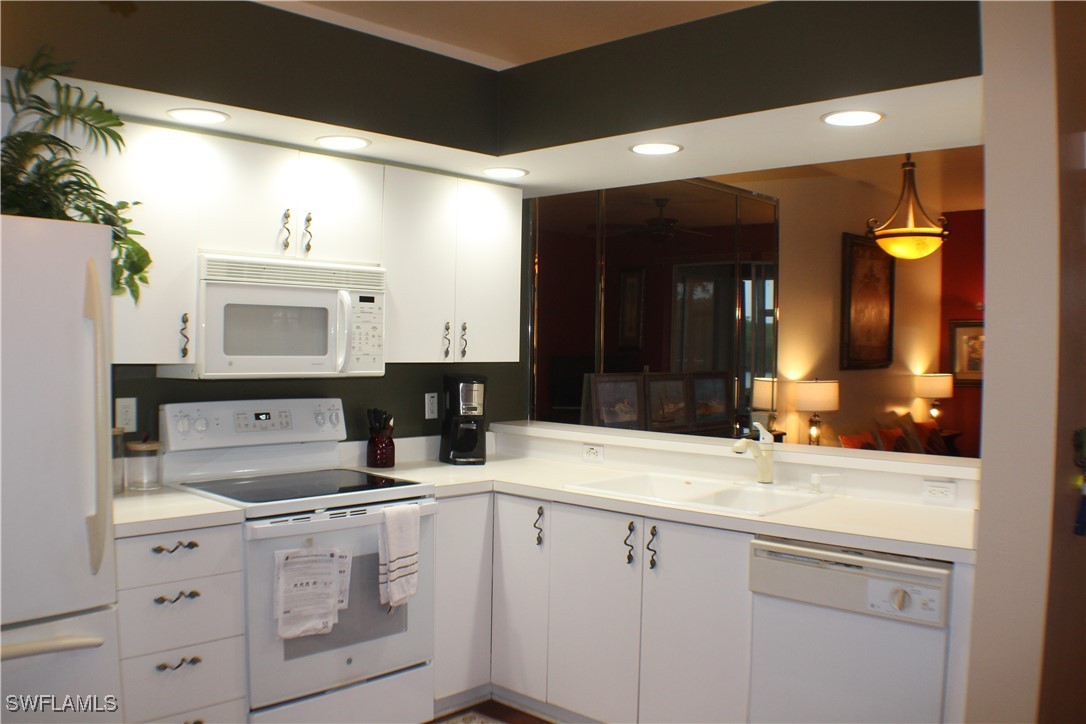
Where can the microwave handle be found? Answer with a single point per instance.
(343, 323)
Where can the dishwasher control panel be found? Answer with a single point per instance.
(869, 582)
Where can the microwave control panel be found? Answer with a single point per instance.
(366, 333)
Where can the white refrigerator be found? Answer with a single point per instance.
(58, 595)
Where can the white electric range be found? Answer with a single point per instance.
(279, 461)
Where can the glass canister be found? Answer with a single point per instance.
(118, 460)
(141, 466)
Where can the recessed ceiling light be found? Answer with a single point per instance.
(502, 172)
(852, 118)
(656, 149)
(343, 143)
(202, 116)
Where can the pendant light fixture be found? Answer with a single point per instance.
(909, 233)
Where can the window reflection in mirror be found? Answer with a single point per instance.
(673, 283)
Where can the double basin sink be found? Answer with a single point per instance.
(744, 497)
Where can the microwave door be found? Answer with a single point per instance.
(258, 330)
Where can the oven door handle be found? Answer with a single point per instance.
(298, 525)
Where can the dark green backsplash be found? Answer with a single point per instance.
(401, 391)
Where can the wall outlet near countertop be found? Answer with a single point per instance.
(940, 491)
(124, 413)
(431, 405)
(592, 453)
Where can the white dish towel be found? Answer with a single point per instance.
(398, 554)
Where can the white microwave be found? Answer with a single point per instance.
(276, 317)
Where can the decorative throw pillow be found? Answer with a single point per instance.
(893, 438)
(893, 421)
(860, 441)
(931, 437)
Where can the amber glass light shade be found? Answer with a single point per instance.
(909, 233)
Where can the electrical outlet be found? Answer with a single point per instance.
(124, 413)
(593, 453)
(431, 405)
(940, 491)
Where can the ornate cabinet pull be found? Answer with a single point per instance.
(183, 662)
(183, 331)
(308, 233)
(464, 340)
(538, 527)
(448, 340)
(157, 550)
(181, 594)
(286, 228)
(629, 553)
(648, 546)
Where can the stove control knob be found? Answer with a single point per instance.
(900, 599)
(333, 418)
(200, 425)
(183, 424)
(319, 417)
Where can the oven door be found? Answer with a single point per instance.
(267, 330)
(369, 639)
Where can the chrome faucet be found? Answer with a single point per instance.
(761, 451)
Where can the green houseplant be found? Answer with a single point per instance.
(41, 174)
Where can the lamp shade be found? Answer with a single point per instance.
(761, 396)
(935, 386)
(817, 395)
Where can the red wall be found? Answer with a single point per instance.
(963, 291)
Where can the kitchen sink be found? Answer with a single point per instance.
(745, 496)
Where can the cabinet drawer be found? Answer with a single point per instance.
(206, 674)
(167, 615)
(230, 712)
(149, 559)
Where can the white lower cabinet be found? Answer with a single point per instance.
(620, 618)
(181, 620)
(465, 546)
(522, 552)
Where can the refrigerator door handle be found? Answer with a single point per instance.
(98, 523)
(49, 646)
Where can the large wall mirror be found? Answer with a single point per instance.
(655, 306)
(682, 279)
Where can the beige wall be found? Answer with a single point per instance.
(1026, 388)
(815, 210)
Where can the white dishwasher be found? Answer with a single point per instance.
(846, 635)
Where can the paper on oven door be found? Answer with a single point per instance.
(309, 590)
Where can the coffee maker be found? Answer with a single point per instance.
(463, 431)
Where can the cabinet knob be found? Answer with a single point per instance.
(538, 527)
(158, 550)
(308, 234)
(183, 662)
(286, 228)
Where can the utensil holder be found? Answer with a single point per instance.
(381, 451)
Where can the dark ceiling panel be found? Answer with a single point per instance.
(768, 56)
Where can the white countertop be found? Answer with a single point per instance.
(930, 531)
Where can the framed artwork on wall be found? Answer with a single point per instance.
(711, 399)
(867, 304)
(967, 352)
(669, 402)
(618, 401)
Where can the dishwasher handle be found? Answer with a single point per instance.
(867, 582)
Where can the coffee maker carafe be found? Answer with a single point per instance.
(463, 430)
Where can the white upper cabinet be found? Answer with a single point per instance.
(204, 192)
(419, 251)
(487, 273)
(452, 250)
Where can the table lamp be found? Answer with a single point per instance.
(935, 387)
(816, 396)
